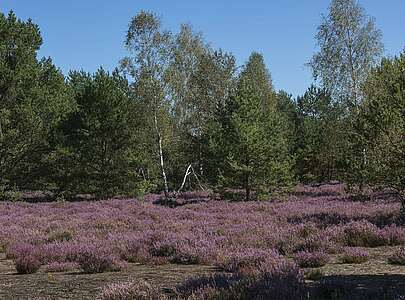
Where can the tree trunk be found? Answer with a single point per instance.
(162, 165)
(188, 172)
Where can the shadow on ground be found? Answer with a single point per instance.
(359, 287)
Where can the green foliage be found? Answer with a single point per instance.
(258, 154)
(321, 136)
(34, 98)
(349, 45)
(378, 141)
(96, 141)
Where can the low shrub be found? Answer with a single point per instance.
(94, 261)
(198, 287)
(354, 255)
(132, 290)
(135, 251)
(314, 243)
(363, 234)
(177, 251)
(247, 260)
(281, 283)
(26, 259)
(398, 257)
(393, 235)
(311, 259)
(276, 281)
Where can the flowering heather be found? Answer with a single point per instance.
(311, 259)
(26, 258)
(354, 255)
(252, 262)
(283, 282)
(135, 289)
(94, 260)
(102, 236)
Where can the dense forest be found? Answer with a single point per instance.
(177, 114)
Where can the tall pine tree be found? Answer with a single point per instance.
(258, 156)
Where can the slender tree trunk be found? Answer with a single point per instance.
(200, 160)
(162, 165)
(188, 172)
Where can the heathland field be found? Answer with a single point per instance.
(318, 243)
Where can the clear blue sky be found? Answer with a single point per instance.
(86, 34)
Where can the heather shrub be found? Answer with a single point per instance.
(56, 267)
(132, 290)
(311, 259)
(176, 251)
(246, 260)
(354, 255)
(313, 243)
(94, 261)
(398, 257)
(362, 234)
(393, 235)
(207, 287)
(306, 230)
(135, 250)
(283, 282)
(26, 259)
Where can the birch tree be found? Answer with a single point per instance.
(349, 46)
(149, 56)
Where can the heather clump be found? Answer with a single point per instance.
(26, 258)
(131, 290)
(184, 248)
(94, 260)
(281, 282)
(135, 248)
(59, 252)
(362, 234)
(307, 259)
(314, 243)
(393, 235)
(246, 260)
(354, 255)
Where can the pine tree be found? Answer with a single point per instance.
(258, 154)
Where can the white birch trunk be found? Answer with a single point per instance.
(162, 165)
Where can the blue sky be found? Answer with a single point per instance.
(87, 34)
